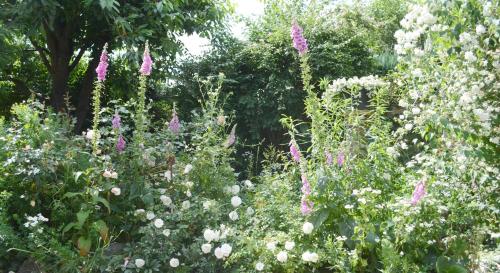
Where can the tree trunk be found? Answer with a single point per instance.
(85, 93)
(60, 79)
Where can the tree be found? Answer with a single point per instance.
(63, 32)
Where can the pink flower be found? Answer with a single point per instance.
(306, 206)
(329, 158)
(174, 124)
(418, 193)
(231, 138)
(294, 151)
(340, 159)
(116, 122)
(299, 42)
(146, 62)
(306, 187)
(103, 65)
(120, 144)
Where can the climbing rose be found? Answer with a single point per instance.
(120, 144)
(299, 42)
(174, 124)
(294, 151)
(103, 65)
(146, 62)
(418, 193)
(116, 122)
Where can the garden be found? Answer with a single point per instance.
(331, 136)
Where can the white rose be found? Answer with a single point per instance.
(282, 256)
(226, 250)
(116, 191)
(218, 253)
(167, 201)
(188, 168)
(139, 263)
(150, 215)
(158, 223)
(186, 204)
(166, 232)
(209, 235)
(289, 245)
(250, 211)
(89, 135)
(248, 184)
(236, 201)
(174, 262)
(307, 228)
(310, 257)
(207, 204)
(235, 189)
(206, 248)
(271, 246)
(259, 266)
(233, 215)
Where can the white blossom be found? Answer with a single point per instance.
(307, 228)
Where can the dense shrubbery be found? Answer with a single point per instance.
(385, 174)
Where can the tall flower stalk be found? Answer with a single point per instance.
(101, 71)
(145, 71)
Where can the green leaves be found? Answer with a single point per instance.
(444, 265)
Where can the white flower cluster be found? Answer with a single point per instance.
(34, 220)
(367, 82)
(414, 24)
(213, 236)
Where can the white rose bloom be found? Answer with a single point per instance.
(116, 191)
(307, 228)
(218, 253)
(188, 194)
(236, 201)
(310, 257)
(166, 232)
(207, 204)
(250, 211)
(158, 223)
(167, 201)
(188, 168)
(174, 262)
(110, 174)
(186, 204)
(226, 249)
(139, 263)
(480, 29)
(89, 135)
(150, 215)
(206, 248)
(139, 211)
(271, 246)
(168, 175)
(282, 256)
(289, 245)
(209, 235)
(248, 184)
(259, 266)
(233, 215)
(235, 189)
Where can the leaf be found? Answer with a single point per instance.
(68, 227)
(103, 201)
(320, 217)
(444, 265)
(103, 230)
(82, 216)
(84, 245)
(72, 194)
(77, 175)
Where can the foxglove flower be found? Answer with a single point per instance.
(340, 159)
(329, 158)
(299, 42)
(306, 206)
(418, 193)
(294, 151)
(103, 65)
(120, 144)
(306, 187)
(231, 138)
(174, 124)
(146, 62)
(116, 122)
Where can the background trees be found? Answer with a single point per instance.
(64, 33)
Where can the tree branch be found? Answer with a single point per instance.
(78, 57)
(41, 52)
